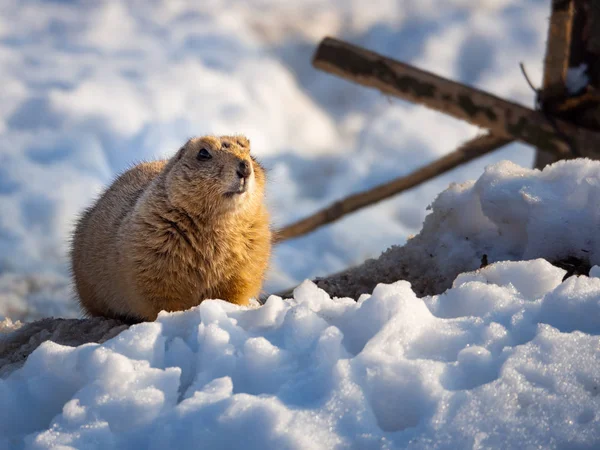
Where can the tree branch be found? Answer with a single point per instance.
(470, 150)
(556, 61)
(501, 117)
(556, 66)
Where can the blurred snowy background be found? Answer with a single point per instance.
(89, 88)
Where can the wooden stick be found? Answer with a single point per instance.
(472, 149)
(501, 117)
(556, 61)
(556, 65)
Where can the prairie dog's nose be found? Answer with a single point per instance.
(244, 170)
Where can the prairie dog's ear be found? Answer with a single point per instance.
(242, 141)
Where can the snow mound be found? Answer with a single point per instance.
(509, 213)
(503, 359)
(513, 213)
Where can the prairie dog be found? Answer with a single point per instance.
(167, 235)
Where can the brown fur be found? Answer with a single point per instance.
(167, 235)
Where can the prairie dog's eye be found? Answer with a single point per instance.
(203, 155)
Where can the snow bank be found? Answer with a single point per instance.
(509, 213)
(507, 358)
(513, 213)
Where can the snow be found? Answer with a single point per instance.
(507, 357)
(315, 372)
(509, 213)
(92, 87)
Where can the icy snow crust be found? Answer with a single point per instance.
(509, 357)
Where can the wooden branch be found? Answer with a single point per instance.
(556, 62)
(589, 98)
(501, 117)
(556, 66)
(472, 149)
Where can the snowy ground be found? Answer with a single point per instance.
(90, 87)
(506, 358)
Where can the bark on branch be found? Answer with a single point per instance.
(556, 62)
(501, 117)
(556, 65)
(470, 150)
